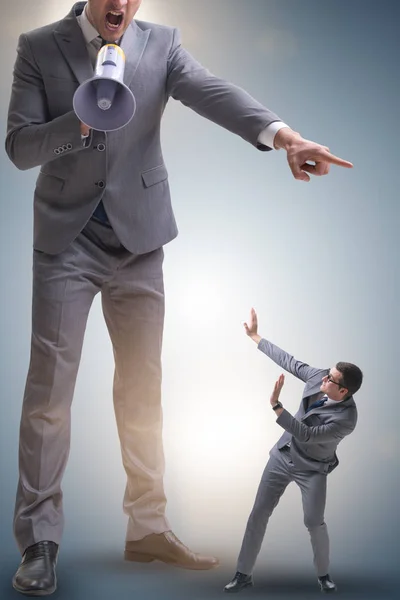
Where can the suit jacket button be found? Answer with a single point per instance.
(100, 183)
(65, 147)
(69, 146)
(56, 151)
(101, 147)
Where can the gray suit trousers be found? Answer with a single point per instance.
(64, 286)
(278, 473)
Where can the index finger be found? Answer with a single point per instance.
(324, 155)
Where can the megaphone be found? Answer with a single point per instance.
(104, 102)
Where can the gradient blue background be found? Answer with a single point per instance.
(319, 262)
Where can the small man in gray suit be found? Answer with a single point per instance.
(305, 453)
(102, 214)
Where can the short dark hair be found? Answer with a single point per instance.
(351, 376)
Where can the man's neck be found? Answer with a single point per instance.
(334, 400)
(86, 13)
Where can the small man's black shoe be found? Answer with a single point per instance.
(326, 584)
(239, 582)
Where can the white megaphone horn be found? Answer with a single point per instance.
(104, 102)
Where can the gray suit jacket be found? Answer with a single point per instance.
(124, 168)
(314, 436)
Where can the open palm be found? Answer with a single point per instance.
(277, 390)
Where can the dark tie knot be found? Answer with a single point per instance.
(317, 404)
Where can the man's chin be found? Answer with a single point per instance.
(109, 36)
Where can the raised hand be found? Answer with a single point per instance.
(252, 326)
(277, 390)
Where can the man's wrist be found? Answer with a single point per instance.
(87, 139)
(278, 405)
(256, 338)
(285, 138)
(267, 135)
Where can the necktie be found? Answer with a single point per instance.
(94, 48)
(317, 404)
(97, 42)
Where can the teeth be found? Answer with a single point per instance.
(116, 14)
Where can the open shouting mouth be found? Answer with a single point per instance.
(114, 20)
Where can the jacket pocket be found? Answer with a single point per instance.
(155, 175)
(49, 184)
(57, 80)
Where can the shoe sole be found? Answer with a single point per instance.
(34, 592)
(145, 558)
(243, 587)
(136, 557)
(328, 591)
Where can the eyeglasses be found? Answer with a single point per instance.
(329, 378)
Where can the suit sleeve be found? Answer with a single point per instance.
(316, 434)
(215, 99)
(32, 139)
(297, 368)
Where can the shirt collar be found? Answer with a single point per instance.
(89, 32)
(329, 401)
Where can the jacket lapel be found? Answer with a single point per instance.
(311, 396)
(330, 409)
(72, 44)
(133, 44)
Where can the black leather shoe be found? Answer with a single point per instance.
(36, 575)
(326, 584)
(239, 582)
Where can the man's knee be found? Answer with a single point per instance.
(262, 510)
(313, 522)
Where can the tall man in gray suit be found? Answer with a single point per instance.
(102, 214)
(305, 453)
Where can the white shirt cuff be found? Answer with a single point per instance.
(268, 134)
(86, 139)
